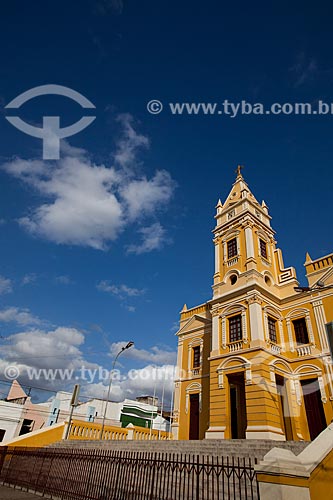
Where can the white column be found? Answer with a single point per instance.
(249, 243)
(215, 334)
(180, 359)
(189, 359)
(309, 327)
(322, 389)
(282, 343)
(244, 327)
(329, 374)
(224, 331)
(320, 317)
(290, 336)
(266, 326)
(175, 411)
(257, 328)
(217, 257)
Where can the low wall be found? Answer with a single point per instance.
(307, 476)
(87, 431)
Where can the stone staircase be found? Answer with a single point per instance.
(220, 447)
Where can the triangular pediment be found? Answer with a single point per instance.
(16, 392)
(196, 321)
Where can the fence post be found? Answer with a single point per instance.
(2, 456)
(66, 424)
(197, 479)
(130, 431)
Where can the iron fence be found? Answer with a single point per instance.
(78, 474)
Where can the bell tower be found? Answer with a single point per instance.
(245, 246)
(248, 357)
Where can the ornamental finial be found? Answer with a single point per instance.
(239, 169)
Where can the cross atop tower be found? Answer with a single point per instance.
(239, 169)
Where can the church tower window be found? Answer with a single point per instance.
(263, 248)
(196, 356)
(232, 248)
(235, 328)
(301, 331)
(272, 329)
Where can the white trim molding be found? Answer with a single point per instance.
(242, 364)
(320, 318)
(193, 388)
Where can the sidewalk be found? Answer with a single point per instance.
(7, 493)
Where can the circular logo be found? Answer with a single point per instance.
(11, 372)
(154, 106)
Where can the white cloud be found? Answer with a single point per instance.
(84, 211)
(57, 348)
(64, 280)
(103, 7)
(60, 350)
(87, 204)
(28, 278)
(143, 196)
(149, 380)
(146, 381)
(5, 285)
(153, 238)
(22, 317)
(155, 354)
(120, 291)
(129, 143)
(304, 70)
(131, 309)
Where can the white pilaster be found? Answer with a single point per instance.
(224, 331)
(290, 336)
(256, 322)
(322, 389)
(281, 335)
(217, 257)
(309, 327)
(215, 334)
(320, 318)
(180, 358)
(249, 243)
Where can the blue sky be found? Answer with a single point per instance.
(107, 244)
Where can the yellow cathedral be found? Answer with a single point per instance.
(254, 361)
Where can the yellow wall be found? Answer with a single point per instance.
(321, 480)
(242, 217)
(42, 437)
(84, 431)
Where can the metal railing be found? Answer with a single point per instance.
(79, 474)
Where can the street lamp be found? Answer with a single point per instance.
(127, 346)
(320, 285)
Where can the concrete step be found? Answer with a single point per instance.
(232, 448)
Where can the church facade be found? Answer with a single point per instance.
(254, 361)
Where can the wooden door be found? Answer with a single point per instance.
(238, 419)
(284, 407)
(194, 416)
(313, 407)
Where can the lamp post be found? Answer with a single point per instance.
(314, 288)
(320, 285)
(127, 346)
